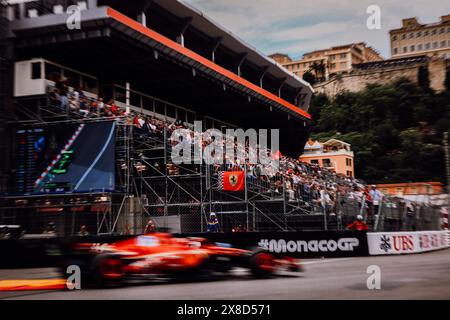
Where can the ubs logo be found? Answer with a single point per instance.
(403, 243)
(397, 243)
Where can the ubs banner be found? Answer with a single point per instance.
(298, 244)
(382, 243)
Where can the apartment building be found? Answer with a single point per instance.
(415, 39)
(327, 62)
(335, 155)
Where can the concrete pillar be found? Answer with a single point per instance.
(142, 19)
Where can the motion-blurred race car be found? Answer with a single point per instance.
(161, 254)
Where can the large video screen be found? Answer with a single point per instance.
(66, 158)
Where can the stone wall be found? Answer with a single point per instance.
(358, 79)
(437, 68)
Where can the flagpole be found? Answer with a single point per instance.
(245, 192)
(166, 188)
(209, 169)
(283, 180)
(201, 198)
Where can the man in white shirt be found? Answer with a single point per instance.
(376, 198)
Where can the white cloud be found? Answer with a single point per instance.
(312, 32)
(297, 26)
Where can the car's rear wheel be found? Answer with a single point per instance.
(108, 270)
(262, 263)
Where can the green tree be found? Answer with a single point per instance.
(309, 77)
(395, 129)
(447, 79)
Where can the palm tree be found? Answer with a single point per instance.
(319, 70)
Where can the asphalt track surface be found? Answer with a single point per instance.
(420, 276)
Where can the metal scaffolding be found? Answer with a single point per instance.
(181, 197)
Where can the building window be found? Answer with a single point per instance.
(333, 65)
(433, 32)
(412, 48)
(427, 46)
(420, 47)
(442, 44)
(326, 163)
(399, 191)
(395, 50)
(315, 161)
(36, 70)
(332, 57)
(394, 38)
(348, 162)
(403, 36)
(405, 49)
(426, 32)
(442, 30)
(343, 64)
(419, 34)
(349, 174)
(435, 45)
(343, 55)
(413, 190)
(411, 35)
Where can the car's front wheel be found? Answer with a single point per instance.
(262, 263)
(108, 270)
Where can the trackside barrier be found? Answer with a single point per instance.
(305, 244)
(386, 243)
(46, 252)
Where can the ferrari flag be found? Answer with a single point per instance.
(231, 180)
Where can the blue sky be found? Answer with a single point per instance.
(299, 26)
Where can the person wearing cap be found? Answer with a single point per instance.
(150, 227)
(83, 231)
(213, 223)
(358, 224)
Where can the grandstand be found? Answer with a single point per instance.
(93, 109)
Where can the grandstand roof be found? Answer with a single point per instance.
(177, 54)
(201, 21)
(287, 90)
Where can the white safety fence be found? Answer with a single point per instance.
(386, 243)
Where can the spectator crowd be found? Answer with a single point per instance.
(319, 189)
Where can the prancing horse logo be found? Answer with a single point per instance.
(233, 179)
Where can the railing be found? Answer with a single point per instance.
(269, 201)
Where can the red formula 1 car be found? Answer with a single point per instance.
(161, 254)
